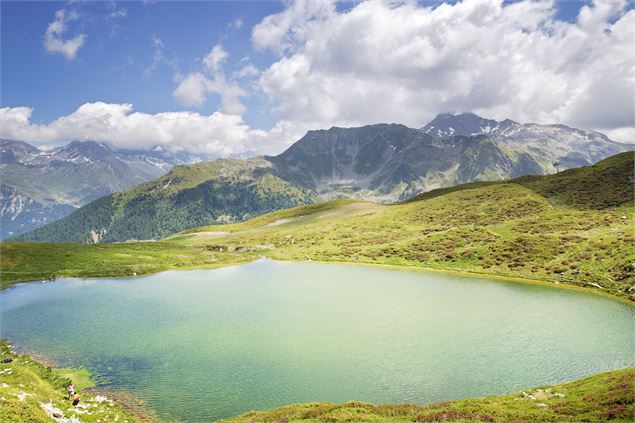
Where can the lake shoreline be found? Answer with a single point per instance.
(143, 414)
(51, 374)
(463, 272)
(562, 402)
(211, 266)
(129, 402)
(124, 399)
(480, 275)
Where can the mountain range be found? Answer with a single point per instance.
(383, 163)
(546, 143)
(40, 186)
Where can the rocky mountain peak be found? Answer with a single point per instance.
(466, 124)
(83, 152)
(12, 151)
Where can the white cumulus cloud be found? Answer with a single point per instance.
(119, 126)
(381, 61)
(194, 87)
(401, 61)
(54, 41)
(215, 58)
(192, 90)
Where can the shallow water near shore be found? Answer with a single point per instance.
(205, 344)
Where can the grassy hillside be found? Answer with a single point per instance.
(571, 228)
(32, 392)
(608, 183)
(599, 398)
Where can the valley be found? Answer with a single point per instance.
(317, 211)
(572, 228)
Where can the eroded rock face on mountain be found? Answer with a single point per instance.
(389, 162)
(393, 162)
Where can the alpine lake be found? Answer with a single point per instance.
(201, 345)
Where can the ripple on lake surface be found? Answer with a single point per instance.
(205, 344)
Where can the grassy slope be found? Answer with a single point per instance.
(25, 384)
(603, 397)
(32, 261)
(574, 227)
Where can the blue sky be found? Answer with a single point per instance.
(111, 65)
(312, 63)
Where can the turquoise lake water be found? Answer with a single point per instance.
(204, 344)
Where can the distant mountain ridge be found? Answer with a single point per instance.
(546, 143)
(40, 186)
(383, 163)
